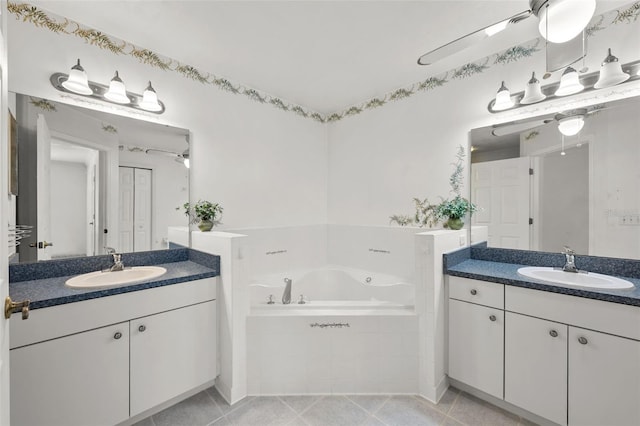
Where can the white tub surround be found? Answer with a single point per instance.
(431, 308)
(233, 306)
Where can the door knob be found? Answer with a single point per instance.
(10, 307)
(41, 244)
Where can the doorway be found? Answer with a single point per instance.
(135, 209)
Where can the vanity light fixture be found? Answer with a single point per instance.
(117, 92)
(150, 100)
(569, 83)
(533, 91)
(76, 82)
(503, 99)
(610, 73)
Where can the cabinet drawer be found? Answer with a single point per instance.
(475, 291)
(613, 318)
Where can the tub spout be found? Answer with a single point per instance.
(286, 296)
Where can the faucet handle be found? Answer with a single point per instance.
(568, 250)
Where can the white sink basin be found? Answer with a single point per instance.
(108, 279)
(578, 280)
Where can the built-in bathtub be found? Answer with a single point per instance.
(355, 333)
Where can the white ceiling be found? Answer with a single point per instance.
(325, 55)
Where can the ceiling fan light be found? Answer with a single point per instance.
(571, 126)
(150, 100)
(496, 28)
(503, 99)
(569, 83)
(117, 92)
(562, 20)
(533, 91)
(610, 73)
(77, 82)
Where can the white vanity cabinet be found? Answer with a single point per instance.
(68, 367)
(73, 380)
(535, 360)
(569, 359)
(476, 334)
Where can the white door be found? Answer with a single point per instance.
(78, 380)
(186, 338)
(142, 210)
(43, 141)
(535, 366)
(476, 346)
(501, 190)
(604, 379)
(125, 214)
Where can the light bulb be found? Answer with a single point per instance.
(533, 91)
(77, 81)
(186, 163)
(503, 99)
(562, 20)
(117, 92)
(569, 83)
(571, 126)
(610, 73)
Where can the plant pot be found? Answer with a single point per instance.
(455, 224)
(205, 225)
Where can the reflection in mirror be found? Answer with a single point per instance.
(541, 190)
(89, 181)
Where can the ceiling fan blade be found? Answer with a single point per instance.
(470, 39)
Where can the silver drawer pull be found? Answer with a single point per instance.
(583, 340)
(118, 335)
(553, 333)
(492, 317)
(474, 292)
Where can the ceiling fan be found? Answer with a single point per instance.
(559, 22)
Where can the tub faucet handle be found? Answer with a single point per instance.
(301, 301)
(270, 301)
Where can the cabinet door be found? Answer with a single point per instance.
(82, 379)
(535, 366)
(171, 353)
(476, 346)
(604, 379)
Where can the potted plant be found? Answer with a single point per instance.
(205, 213)
(454, 211)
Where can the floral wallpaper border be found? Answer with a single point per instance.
(60, 25)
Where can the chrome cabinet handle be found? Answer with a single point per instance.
(474, 292)
(142, 328)
(118, 335)
(492, 317)
(583, 340)
(553, 333)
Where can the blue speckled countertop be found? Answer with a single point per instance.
(43, 283)
(477, 263)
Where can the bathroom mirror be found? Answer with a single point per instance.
(539, 189)
(89, 181)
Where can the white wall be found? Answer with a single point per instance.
(382, 158)
(266, 167)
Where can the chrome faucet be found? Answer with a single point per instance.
(286, 296)
(117, 263)
(570, 265)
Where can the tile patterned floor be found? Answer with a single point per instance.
(456, 408)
